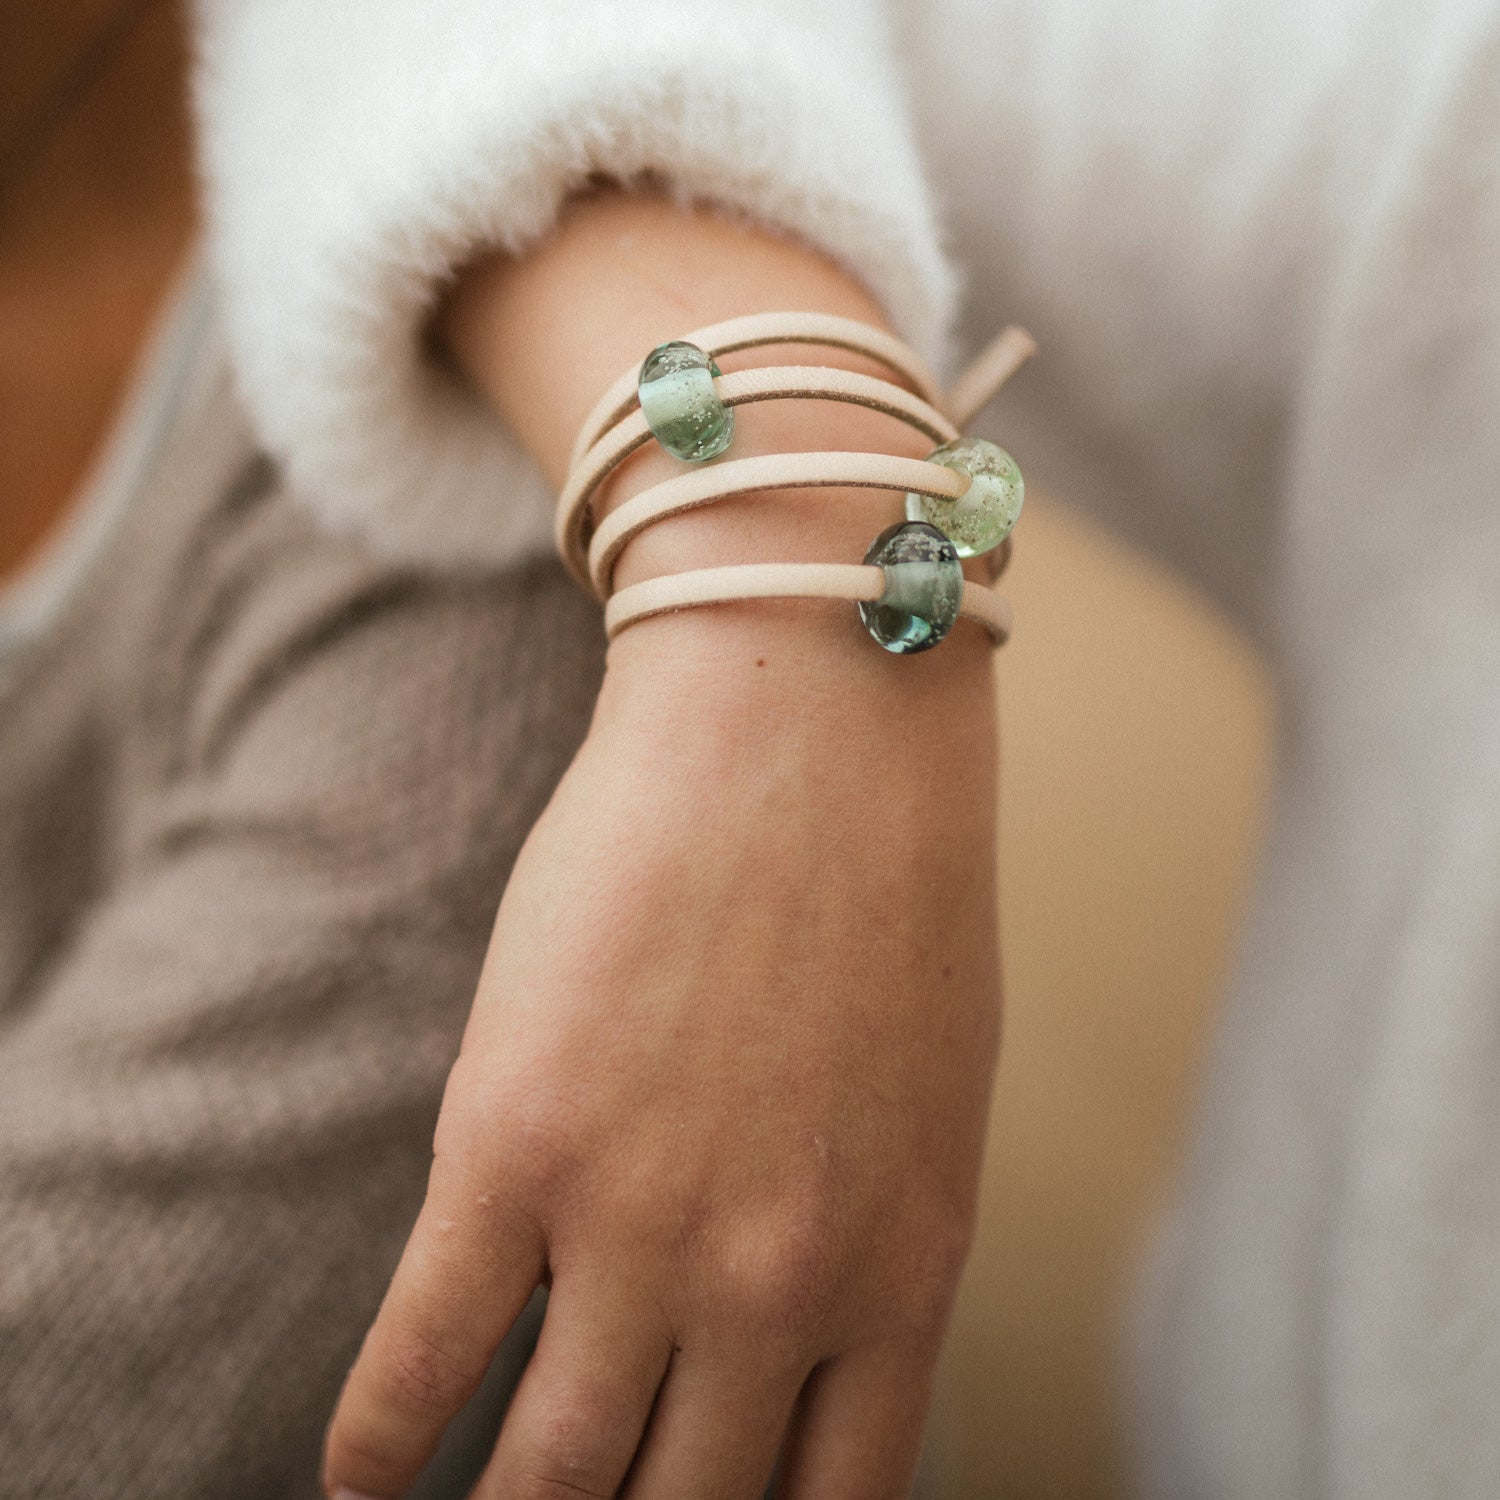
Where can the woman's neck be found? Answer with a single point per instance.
(92, 227)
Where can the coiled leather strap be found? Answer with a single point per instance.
(615, 428)
(777, 383)
(759, 330)
(855, 581)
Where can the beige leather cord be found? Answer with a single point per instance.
(744, 476)
(616, 428)
(856, 581)
(757, 331)
(982, 378)
(744, 387)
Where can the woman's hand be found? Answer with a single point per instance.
(724, 1086)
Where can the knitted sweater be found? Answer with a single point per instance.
(1256, 244)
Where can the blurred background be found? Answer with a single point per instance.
(1135, 745)
(1135, 729)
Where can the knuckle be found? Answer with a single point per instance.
(536, 1136)
(944, 1247)
(424, 1379)
(785, 1275)
(548, 1484)
(567, 1456)
(924, 1278)
(509, 1126)
(363, 1451)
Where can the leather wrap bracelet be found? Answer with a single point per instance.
(960, 502)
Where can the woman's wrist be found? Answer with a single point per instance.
(542, 336)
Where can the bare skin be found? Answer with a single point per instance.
(725, 1080)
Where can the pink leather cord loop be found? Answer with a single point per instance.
(743, 387)
(742, 476)
(757, 331)
(853, 581)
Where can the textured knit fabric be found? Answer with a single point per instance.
(259, 794)
(1257, 244)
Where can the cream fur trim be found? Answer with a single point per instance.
(352, 164)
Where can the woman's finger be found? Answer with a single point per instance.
(718, 1422)
(467, 1272)
(576, 1418)
(857, 1431)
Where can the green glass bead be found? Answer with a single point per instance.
(924, 585)
(681, 405)
(983, 516)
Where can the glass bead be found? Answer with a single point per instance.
(982, 517)
(681, 405)
(924, 584)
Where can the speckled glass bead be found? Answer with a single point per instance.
(983, 516)
(924, 584)
(680, 404)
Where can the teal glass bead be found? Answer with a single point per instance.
(680, 403)
(983, 516)
(924, 585)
